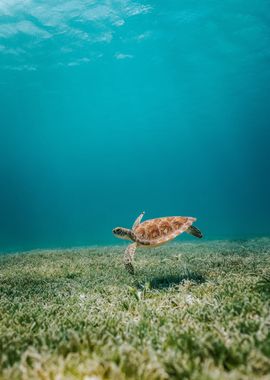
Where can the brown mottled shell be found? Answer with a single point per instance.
(158, 231)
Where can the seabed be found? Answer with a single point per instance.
(191, 311)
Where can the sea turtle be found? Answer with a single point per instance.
(153, 233)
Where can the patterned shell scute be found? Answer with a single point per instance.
(161, 230)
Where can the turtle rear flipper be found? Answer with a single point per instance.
(192, 230)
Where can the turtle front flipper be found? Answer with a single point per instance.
(138, 220)
(128, 257)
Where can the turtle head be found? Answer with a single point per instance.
(122, 233)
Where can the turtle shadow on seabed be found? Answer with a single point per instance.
(163, 282)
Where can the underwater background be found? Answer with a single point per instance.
(110, 108)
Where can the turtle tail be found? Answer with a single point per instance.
(192, 230)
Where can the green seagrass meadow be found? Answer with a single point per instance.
(198, 311)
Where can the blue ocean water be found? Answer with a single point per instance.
(109, 108)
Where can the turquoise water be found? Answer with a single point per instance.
(109, 108)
